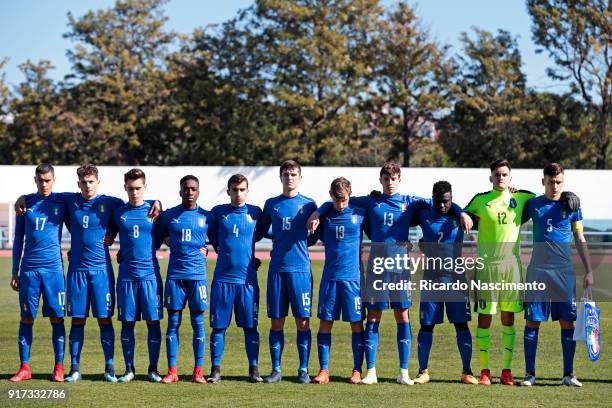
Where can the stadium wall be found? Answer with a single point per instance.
(593, 186)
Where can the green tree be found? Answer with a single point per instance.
(5, 117)
(413, 78)
(119, 60)
(577, 34)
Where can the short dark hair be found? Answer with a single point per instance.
(442, 187)
(553, 169)
(88, 169)
(189, 177)
(390, 169)
(339, 186)
(134, 174)
(44, 168)
(237, 179)
(290, 164)
(499, 163)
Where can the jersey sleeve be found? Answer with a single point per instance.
(259, 230)
(212, 231)
(18, 242)
(324, 208)
(576, 219)
(526, 215)
(162, 227)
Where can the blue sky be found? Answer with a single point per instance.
(32, 29)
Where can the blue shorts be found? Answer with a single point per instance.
(139, 299)
(289, 288)
(180, 291)
(48, 283)
(243, 298)
(90, 287)
(340, 296)
(539, 311)
(433, 312)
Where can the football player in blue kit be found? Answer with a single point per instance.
(186, 227)
(341, 230)
(139, 286)
(38, 270)
(289, 274)
(90, 282)
(555, 220)
(442, 240)
(234, 285)
(384, 211)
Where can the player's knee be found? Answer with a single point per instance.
(461, 326)
(402, 315)
(277, 324)
(484, 321)
(356, 327)
(532, 324)
(152, 322)
(56, 320)
(78, 321)
(27, 320)
(104, 321)
(325, 326)
(302, 324)
(566, 324)
(427, 328)
(507, 320)
(374, 315)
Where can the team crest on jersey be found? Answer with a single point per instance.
(403, 207)
(201, 222)
(512, 203)
(55, 211)
(564, 214)
(101, 208)
(354, 219)
(249, 218)
(301, 209)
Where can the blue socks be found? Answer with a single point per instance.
(569, 349)
(370, 340)
(172, 337)
(424, 340)
(24, 341)
(217, 345)
(324, 346)
(77, 336)
(58, 336)
(199, 338)
(154, 344)
(404, 340)
(251, 345)
(464, 344)
(107, 339)
(304, 340)
(530, 343)
(128, 344)
(357, 346)
(277, 343)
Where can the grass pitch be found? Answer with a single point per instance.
(444, 367)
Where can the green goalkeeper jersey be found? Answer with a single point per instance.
(499, 216)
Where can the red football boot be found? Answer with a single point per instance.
(23, 374)
(197, 376)
(171, 377)
(58, 373)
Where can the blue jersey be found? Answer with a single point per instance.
(288, 217)
(138, 242)
(341, 232)
(235, 237)
(385, 223)
(187, 230)
(88, 222)
(441, 234)
(41, 227)
(552, 230)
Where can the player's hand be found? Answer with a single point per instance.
(20, 206)
(108, 240)
(119, 257)
(375, 193)
(422, 245)
(204, 251)
(570, 201)
(167, 241)
(257, 263)
(313, 222)
(588, 280)
(15, 283)
(409, 246)
(466, 222)
(155, 211)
